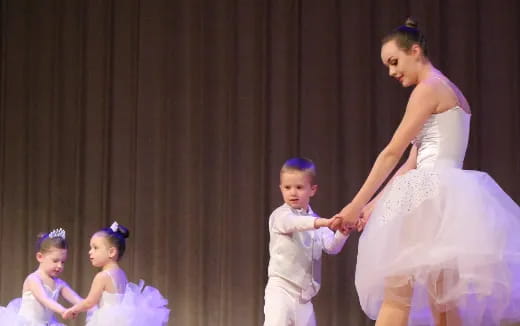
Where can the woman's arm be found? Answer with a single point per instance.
(411, 163)
(421, 106)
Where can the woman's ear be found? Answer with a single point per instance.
(416, 50)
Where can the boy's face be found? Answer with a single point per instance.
(296, 189)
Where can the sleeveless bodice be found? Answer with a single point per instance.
(109, 299)
(31, 309)
(443, 140)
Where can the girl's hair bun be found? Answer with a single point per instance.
(123, 231)
(116, 235)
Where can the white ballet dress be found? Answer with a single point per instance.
(27, 311)
(133, 305)
(442, 236)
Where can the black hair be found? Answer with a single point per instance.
(116, 238)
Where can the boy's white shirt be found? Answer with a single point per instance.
(295, 248)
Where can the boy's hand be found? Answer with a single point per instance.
(335, 224)
(346, 231)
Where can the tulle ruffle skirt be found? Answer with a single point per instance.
(140, 306)
(444, 239)
(9, 316)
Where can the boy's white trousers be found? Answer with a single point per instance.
(284, 305)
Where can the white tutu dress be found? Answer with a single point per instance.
(443, 236)
(135, 305)
(27, 311)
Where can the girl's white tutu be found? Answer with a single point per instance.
(9, 316)
(138, 306)
(453, 236)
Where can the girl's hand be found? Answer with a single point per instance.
(69, 314)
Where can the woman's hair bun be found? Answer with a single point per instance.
(411, 23)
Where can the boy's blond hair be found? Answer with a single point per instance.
(301, 164)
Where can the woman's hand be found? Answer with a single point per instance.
(347, 218)
(366, 212)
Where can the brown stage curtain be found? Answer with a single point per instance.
(174, 117)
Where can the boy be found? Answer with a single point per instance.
(297, 239)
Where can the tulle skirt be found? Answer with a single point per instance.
(444, 239)
(140, 306)
(9, 316)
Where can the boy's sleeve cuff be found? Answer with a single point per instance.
(340, 236)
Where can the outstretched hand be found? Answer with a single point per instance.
(69, 314)
(328, 222)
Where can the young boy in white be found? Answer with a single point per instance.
(297, 238)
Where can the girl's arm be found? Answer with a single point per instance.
(421, 106)
(98, 285)
(34, 284)
(69, 294)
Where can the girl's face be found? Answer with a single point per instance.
(402, 65)
(100, 253)
(52, 262)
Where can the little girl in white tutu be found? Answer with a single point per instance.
(442, 245)
(119, 302)
(42, 288)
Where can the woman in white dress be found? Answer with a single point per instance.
(442, 244)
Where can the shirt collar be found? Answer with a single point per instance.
(301, 211)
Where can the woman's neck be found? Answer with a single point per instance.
(424, 71)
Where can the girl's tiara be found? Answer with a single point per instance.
(57, 233)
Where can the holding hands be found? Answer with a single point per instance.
(69, 314)
(352, 217)
(349, 218)
(329, 222)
